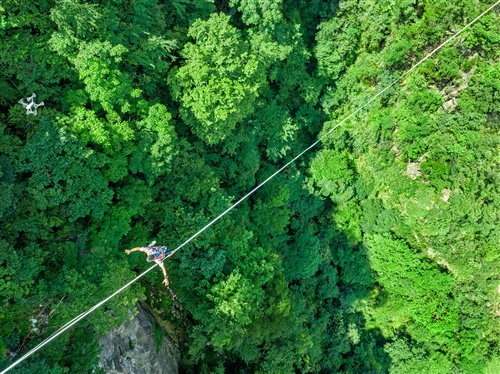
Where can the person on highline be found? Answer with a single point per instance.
(156, 254)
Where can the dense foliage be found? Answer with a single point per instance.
(376, 253)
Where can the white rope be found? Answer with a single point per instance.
(337, 125)
(83, 315)
(72, 322)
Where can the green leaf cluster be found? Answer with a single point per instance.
(377, 253)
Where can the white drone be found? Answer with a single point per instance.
(30, 105)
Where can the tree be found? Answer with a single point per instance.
(64, 174)
(219, 83)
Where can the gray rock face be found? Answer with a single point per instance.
(132, 348)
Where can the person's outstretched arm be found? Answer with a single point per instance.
(127, 251)
(165, 276)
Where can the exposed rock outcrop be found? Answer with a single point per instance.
(450, 94)
(413, 168)
(446, 194)
(139, 346)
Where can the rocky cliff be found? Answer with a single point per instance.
(139, 346)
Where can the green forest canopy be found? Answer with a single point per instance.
(376, 253)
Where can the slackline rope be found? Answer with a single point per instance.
(16, 87)
(84, 314)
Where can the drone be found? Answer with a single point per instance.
(30, 105)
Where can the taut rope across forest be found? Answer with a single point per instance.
(86, 313)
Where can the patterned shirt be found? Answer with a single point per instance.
(160, 252)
